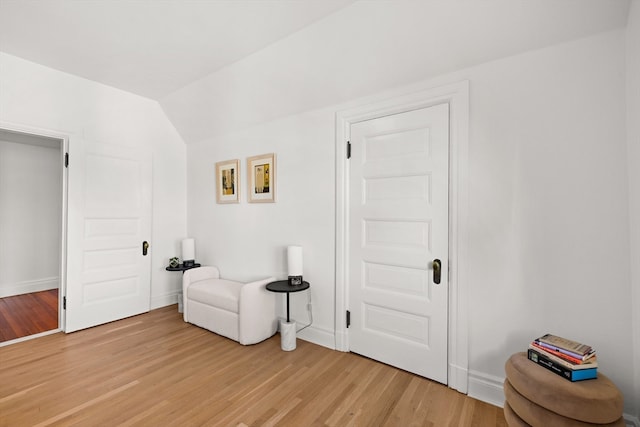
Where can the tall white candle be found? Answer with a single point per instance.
(294, 260)
(188, 250)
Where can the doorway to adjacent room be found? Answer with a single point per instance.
(32, 201)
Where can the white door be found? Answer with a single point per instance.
(398, 226)
(109, 218)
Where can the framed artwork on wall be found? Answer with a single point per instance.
(261, 172)
(228, 181)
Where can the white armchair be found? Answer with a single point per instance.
(244, 312)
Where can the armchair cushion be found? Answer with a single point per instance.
(225, 296)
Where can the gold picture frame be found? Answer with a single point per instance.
(261, 174)
(228, 181)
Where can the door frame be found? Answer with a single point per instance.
(64, 149)
(457, 96)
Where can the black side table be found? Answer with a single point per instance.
(284, 286)
(182, 268)
(288, 328)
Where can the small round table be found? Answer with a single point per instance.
(288, 329)
(182, 268)
(284, 286)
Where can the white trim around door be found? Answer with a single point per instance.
(457, 96)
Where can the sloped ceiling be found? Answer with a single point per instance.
(149, 47)
(220, 65)
(371, 46)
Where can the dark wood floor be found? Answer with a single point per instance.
(157, 370)
(28, 314)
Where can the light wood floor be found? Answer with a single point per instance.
(156, 370)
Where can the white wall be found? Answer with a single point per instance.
(633, 139)
(38, 97)
(548, 248)
(249, 240)
(30, 216)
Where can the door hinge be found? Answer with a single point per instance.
(64, 303)
(66, 160)
(348, 318)
(348, 149)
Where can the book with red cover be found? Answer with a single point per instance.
(588, 364)
(561, 355)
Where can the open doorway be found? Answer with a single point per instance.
(32, 234)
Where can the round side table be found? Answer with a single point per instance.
(182, 268)
(287, 328)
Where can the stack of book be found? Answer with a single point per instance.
(569, 359)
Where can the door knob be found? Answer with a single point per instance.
(437, 271)
(145, 248)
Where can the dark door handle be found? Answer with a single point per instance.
(437, 271)
(145, 248)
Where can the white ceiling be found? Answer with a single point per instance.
(372, 46)
(148, 47)
(154, 48)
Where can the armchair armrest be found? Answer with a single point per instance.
(195, 275)
(258, 308)
(200, 273)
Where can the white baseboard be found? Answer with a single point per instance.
(313, 334)
(631, 421)
(164, 300)
(487, 388)
(29, 286)
(29, 337)
(318, 336)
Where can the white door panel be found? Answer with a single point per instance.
(109, 218)
(398, 224)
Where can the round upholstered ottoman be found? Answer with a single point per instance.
(539, 397)
(513, 420)
(525, 409)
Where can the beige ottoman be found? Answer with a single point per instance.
(513, 420)
(538, 397)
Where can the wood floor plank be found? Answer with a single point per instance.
(154, 369)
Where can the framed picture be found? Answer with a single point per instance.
(228, 181)
(261, 172)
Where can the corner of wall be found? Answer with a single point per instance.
(633, 156)
(319, 336)
(487, 388)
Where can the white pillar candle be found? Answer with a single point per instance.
(294, 260)
(188, 250)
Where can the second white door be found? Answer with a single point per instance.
(109, 275)
(398, 240)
